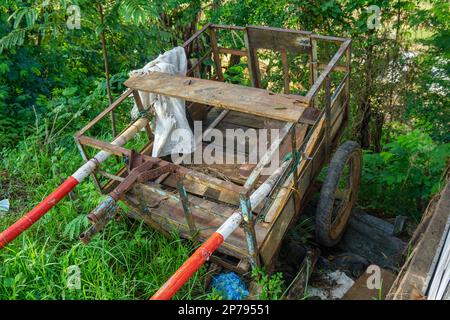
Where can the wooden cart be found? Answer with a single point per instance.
(197, 201)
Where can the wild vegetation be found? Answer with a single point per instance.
(54, 79)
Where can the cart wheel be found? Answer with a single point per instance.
(338, 194)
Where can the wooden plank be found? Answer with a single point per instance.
(267, 157)
(278, 39)
(313, 143)
(360, 290)
(278, 218)
(253, 62)
(236, 52)
(413, 280)
(329, 38)
(198, 111)
(254, 101)
(227, 27)
(102, 145)
(166, 210)
(313, 69)
(285, 205)
(245, 119)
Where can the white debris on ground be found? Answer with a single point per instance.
(334, 285)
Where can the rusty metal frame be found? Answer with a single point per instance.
(82, 140)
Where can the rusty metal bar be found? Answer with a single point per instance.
(328, 38)
(102, 114)
(227, 27)
(297, 32)
(186, 207)
(102, 145)
(196, 35)
(249, 229)
(85, 158)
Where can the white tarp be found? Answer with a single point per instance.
(170, 112)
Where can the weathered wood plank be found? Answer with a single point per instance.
(254, 101)
(413, 280)
(164, 207)
(278, 39)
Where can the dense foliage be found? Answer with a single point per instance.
(52, 81)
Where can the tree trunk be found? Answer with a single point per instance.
(377, 131)
(105, 58)
(234, 60)
(364, 104)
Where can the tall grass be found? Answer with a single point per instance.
(127, 260)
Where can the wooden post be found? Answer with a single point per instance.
(105, 58)
(285, 62)
(253, 62)
(216, 56)
(313, 68)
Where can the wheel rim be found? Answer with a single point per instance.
(345, 195)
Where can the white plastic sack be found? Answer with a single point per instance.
(170, 112)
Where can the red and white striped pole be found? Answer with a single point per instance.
(202, 254)
(37, 212)
(176, 281)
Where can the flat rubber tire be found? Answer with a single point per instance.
(336, 201)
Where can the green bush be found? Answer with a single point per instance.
(401, 179)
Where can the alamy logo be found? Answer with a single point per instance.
(374, 20)
(374, 280)
(74, 17)
(230, 146)
(73, 277)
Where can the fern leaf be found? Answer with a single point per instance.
(75, 227)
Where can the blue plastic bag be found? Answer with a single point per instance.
(230, 286)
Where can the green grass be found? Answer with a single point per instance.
(126, 261)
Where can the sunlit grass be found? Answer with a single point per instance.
(128, 260)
